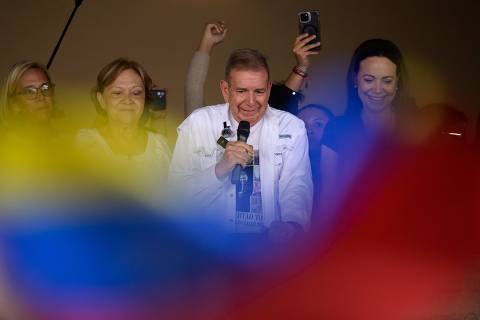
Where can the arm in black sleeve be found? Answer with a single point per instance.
(284, 98)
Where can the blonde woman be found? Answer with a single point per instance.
(29, 101)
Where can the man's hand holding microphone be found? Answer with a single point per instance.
(237, 154)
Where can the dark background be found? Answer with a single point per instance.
(438, 38)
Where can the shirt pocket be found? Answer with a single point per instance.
(206, 157)
(280, 152)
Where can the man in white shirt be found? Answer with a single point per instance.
(274, 194)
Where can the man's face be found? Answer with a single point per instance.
(247, 92)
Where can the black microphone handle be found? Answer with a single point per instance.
(237, 171)
(243, 131)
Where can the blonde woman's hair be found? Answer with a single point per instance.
(10, 86)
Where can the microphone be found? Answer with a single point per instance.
(243, 132)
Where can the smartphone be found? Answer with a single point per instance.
(158, 99)
(309, 22)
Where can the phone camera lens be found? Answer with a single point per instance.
(304, 17)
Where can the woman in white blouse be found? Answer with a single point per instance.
(141, 156)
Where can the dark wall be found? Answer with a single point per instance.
(439, 40)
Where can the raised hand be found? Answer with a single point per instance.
(214, 33)
(303, 51)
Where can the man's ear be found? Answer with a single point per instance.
(225, 92)
(100, 100)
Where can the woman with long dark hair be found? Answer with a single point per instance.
(377, 113)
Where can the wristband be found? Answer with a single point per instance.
(299, 72)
